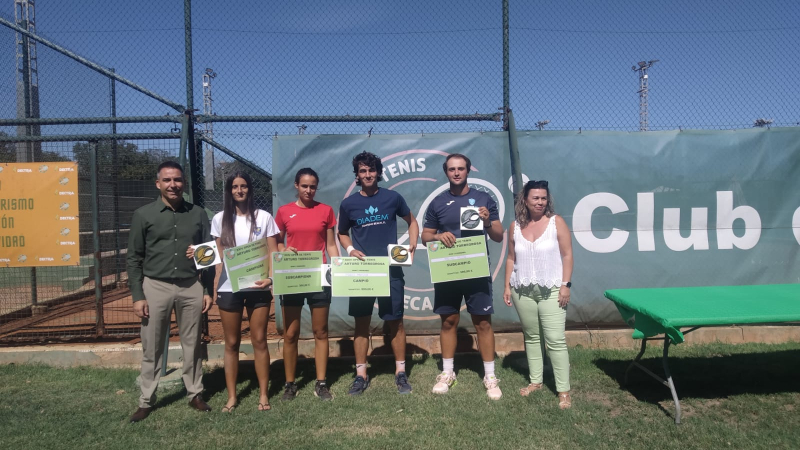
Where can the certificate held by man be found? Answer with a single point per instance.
(246, 264)
(467, 258)
(352, 277)
(296, 273)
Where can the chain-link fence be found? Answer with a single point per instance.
(63, 302)
(116, 76)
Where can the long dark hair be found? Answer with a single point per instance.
(521, 210)
(228, 234)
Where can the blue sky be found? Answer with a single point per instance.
(722, 63)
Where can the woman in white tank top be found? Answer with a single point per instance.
(538, 273)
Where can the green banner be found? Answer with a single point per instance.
(671, 208)
(648, 209)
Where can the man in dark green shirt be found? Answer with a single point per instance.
(163, 279)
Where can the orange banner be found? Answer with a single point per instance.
(39, 214)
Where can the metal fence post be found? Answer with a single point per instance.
(98, 259)
(506, 69)
(115, 182)
(196, 168)
(196, 171)
(516, 171)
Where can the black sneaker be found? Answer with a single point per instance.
(401, 380)
(360, 384)
(289, 391)
(321, 390)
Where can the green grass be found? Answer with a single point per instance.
(744, 396)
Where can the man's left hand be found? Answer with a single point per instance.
(207, 302)
(483, 212)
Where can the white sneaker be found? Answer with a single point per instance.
(492, 390)
(444, 381)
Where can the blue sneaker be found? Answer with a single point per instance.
(360, 384)
(401, 380)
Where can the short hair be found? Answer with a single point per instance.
(305, 171)
(456, 155)
(370, 160)
(168, 165)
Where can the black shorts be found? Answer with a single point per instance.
(236, 301)
(476, 291)
(389, 308)
(314, 298)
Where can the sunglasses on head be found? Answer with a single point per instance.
(531, 183)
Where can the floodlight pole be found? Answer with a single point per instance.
(761, 123)
(642, 69)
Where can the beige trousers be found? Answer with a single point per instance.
(186, 298)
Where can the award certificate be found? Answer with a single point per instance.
(466, 259)
(353, 277)
(246, 264)
(296, 273)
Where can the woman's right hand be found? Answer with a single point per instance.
(291, 249)
(507, 296)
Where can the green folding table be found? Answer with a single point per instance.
(659, 314)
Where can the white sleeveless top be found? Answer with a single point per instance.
(537, 262)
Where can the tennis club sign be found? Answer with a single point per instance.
(671, 232)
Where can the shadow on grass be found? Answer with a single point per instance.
(713, 377)
(340, 369)
(170, 396)
(518, 362)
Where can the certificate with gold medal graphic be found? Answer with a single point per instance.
(352, 277)
(466, 259)
(246, 264)
(296, 273)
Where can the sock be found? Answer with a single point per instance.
(361, 369)
(447, 365)
(488, 368)
(399, 366)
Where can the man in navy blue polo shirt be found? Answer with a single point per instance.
(443, 223)
(367, 226)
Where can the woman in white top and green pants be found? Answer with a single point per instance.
(538, 273)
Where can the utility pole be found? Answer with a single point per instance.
(642, 69)
(27, 81)
(208, 110)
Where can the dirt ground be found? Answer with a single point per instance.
(76, 319)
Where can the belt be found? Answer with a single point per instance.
(172, 280)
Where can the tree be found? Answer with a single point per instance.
(8, 153)
(129, 163)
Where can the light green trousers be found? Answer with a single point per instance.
(540, 315)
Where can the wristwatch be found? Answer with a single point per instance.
(568, 284)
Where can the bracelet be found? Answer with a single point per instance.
(271, 281)
(349, 249)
